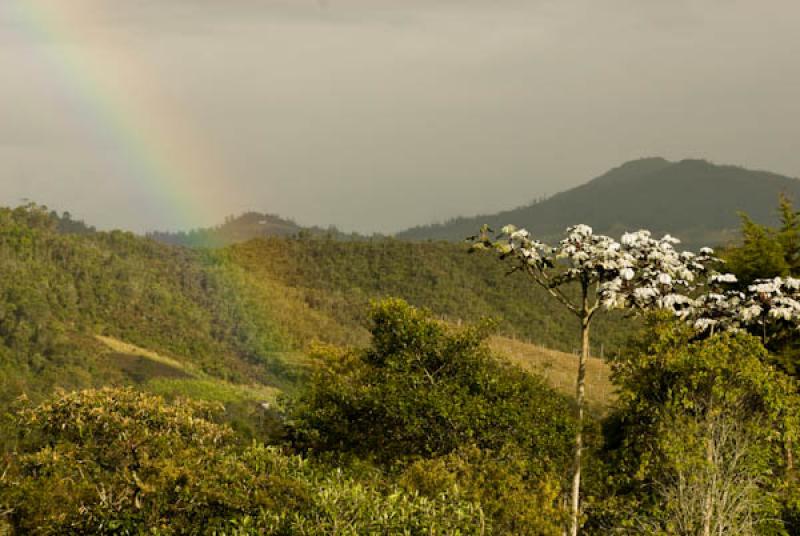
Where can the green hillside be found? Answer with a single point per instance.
(209, 339)
(58, 291)
(412, 421)
(695, 200)
(338, 279)
(240, 316)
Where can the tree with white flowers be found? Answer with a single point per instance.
(767, 308)
(639, 272)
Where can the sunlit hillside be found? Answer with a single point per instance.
(90, 308)
(559, 369)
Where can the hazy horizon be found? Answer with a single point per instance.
(377, 116)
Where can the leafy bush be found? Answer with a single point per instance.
(425, 389)
(122, 462)
(704, 427)
(429, 400)
(514, 497)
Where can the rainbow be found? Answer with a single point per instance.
(117, 100)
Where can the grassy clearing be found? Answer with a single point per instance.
(125, 348)
(211, 390)
(559, 369)
(172, 378)
(175, 378)
(140, 369)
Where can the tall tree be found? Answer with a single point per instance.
(789, 234)
(762, 253)
(638, 273)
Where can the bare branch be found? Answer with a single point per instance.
(540, 278)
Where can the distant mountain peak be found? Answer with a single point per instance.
(698, 163)
(247, 226)
(694, 199)
(634, 169)
(645, 161)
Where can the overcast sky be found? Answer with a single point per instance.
(376, 115)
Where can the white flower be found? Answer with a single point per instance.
(751, 312)
(702, 324)
(638, 271)
(669, 239)
(627, 274)
(723, 278)
(508, 229)
(791, 283)
(768, 287)
(582, 230)
(645, 293)
(521, 234)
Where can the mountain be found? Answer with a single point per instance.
(242, 228)
(694, 200)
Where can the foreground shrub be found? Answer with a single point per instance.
(422, 393)
(703, 438)
(515, 499)
(426, 389)
(124, 462)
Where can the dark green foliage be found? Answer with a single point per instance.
(424, 389)
(693, 200)
(122, 462)
(789, 233)
(430, 398)
(767, 252)
(65, 224)
(761, 255)
(339, 279)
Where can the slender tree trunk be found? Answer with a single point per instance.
(580, 399)
(708, 506)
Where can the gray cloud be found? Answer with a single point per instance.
(377, 115)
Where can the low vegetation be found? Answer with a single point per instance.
(116, 461)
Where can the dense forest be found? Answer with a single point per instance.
(309, 385)
(340, 278)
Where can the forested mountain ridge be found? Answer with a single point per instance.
(242, 228)
(694, 200)
(242, 314)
